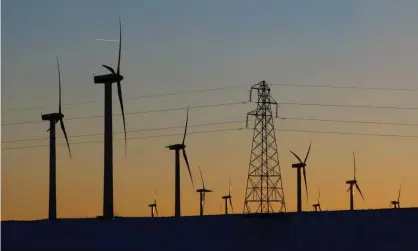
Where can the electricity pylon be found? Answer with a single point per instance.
(264, 192)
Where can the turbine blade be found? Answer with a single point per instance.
(229, 193)
(59, 86)
(188, 166)
(123, 111)
(348, 189)
(354, 158)
(358, 188)
(109, 68)
(230, 203)
(155, 196)
(120, 45)
(65, 134)
(300, 161)
(156, 210)
(201, 176)
(319, 194)
(306, 185)
(307, 154)
(187, 121)
(399, 193)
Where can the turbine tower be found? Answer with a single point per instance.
(177, 148)
(353, 183)
(301, 165)
(317, 206)
(228, 197)
(397, 203)
(153, 206)
(53, 118)
(108, 80)
(264, 191)
(202, 192)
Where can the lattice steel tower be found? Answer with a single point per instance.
(264, 192)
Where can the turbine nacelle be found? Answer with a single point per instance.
(298, 165)
(108, 78)
(204, 190)
(176, 147)
(351, 182)
(53, 116)
(226, 197)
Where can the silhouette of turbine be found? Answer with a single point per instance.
(108, 80)
(397, 203)
(153, 206)
(202, 193)
(177, 148)
(301, 165)
(228, 197)
(53, 119)
(317, 206)
(353, 183)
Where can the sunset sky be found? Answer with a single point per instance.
(181, 46)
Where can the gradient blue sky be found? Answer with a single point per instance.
(184, 45)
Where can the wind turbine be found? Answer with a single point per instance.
(108, 80)
(202, 193)
(397, 203)
(177, 148)
(353, 183)
(153, 206)
(53, 119)
(301, 165)
(228, 197)
(317, 206)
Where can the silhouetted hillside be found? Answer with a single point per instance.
(339, 230)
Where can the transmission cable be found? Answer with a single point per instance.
(225, 104)
(224, 88)
(224, 130)
(141, 137)
(132, 113)
(129, 131)
(224, 122)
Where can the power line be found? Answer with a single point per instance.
(349, 106)
(350, 87)
(226, 104)
(350, 133)
(137, 130)
(222, 88)
(137, 97)
(225, 122)
(224, 130)
(349, 121)
(132, 113)
(141, 137)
